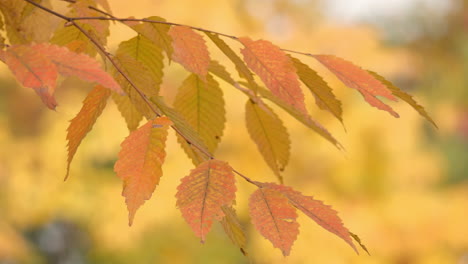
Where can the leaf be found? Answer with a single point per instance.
(275, 69)
(157, 33)
(139, 162)
(306, 119)
(182, 127)
(83, 122)
(201, 104)
(243, 70)
(404, 96)
(274, 218)
(322, 214)
(358, 240)
(190, 50)
(359, 79)
(128, 111)
(150, 58)
(37, 66)
(138, 75)
(203, 192)
(270, 136)
(324, 97)
(233, 228)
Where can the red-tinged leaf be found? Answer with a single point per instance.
(322, 214)
(201, 195)
(404, 96)
(81, 9)
(275, 69)
(190, 50)
(139, 163)
(269, 134)
(359, 79)
(274, 218)
(83, 122)
(37, 66)
(324, 97)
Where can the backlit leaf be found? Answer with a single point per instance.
(201, 104)
(275, 69)
(322, 214)
(37, 66)
(203, 192)
(274, 218)
(157, 33)
(270, 135)
(83, 122)
(324, 97)
(233, 228)
(359, 79)
(190, 50)
(128, 111)
(139, 162)
(404, 96)
(149, 56)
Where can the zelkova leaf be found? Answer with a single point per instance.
(202, 193)
(359, 79)
(190, 50)
(155, 32)
(269, 134)
(324, 97)
(404, 96)
(233, 228)
(274, 218)
(243, 70)
(275, 69)
(83, 122)
(149, 56)
(37, 66)
(128, 111)
(322, 214)
(202, 106)
(139, 162)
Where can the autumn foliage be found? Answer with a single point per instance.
(132, 78)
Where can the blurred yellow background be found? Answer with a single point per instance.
(401, 185)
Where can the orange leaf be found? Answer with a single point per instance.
(190, 50)
(140, 161)
(275, 69)
(201, 195)
(274, 218)
(322, 214)
(83, 122)
(359, 79)
(37, 66)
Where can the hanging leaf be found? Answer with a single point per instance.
(83, 122)
(139, 162)
(270, 135)
(201, 195)
(233, 228)
(324, 97)
(274, 218)
(190, 50)
(275, 69)
(301, 117)
(37, 66)
(322, 214)
(404, 96)
(155, 32)
(201, 104)
(128, 111)
(150, 58)
(359, 79)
